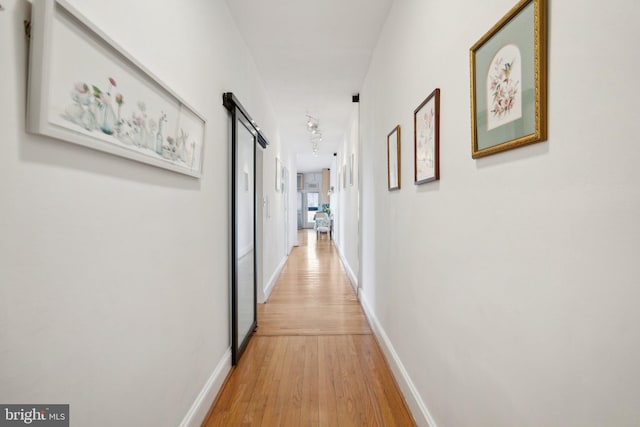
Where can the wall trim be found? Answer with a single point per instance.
(352, 276)
(201, 406)
(272, 281)
(416, 405)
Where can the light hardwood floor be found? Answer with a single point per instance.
(313, 360)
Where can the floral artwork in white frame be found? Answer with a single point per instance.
(85, 89)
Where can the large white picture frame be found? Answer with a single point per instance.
(85, 89)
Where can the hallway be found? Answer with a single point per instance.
(313, 360)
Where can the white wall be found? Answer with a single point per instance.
(293, 203)
(114, 274)
(508, 290)
(277, 239)
(275, 250)
(346, 215)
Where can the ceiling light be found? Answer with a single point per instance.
(316, 135)
(312, 123)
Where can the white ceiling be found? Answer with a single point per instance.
(312, 57)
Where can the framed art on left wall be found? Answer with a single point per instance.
(85, 89)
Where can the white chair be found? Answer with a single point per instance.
(322, 225)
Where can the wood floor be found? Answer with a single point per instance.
(313, 360)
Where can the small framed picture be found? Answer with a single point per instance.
(393, 159)
(426, 139)
(278, 175)
(509, 81)
(352, 168)
(344, 176)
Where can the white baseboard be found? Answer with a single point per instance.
(200, 408)
(272, 281)
(352, 276)
(414, 401)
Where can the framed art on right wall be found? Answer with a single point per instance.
(509, 81)
(278, 175)
(426, 139)
(393, 159)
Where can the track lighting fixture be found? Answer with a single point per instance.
(316, 135)
(312, 124)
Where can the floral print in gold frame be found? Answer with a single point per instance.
(509, 81)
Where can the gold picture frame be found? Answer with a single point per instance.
(509, 81)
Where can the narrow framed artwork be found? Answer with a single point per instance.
(393, 159)
(344, 175)
(509, 81)
(278, 175)
(426, 139)
(85, 89)
(285, 179)
(352, 167)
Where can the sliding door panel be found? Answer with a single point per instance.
(245, 233)
(245, 138)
